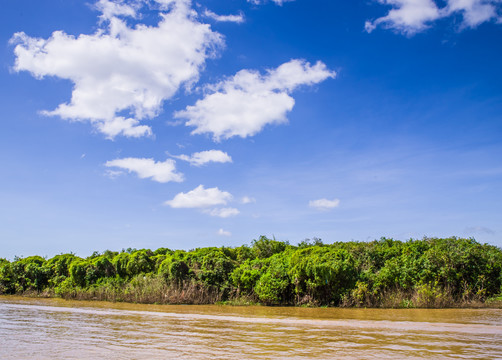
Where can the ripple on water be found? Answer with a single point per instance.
(51, 329)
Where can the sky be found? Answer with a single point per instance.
(184, 124)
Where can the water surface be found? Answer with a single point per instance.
(59, 329)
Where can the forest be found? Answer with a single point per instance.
(429, 272)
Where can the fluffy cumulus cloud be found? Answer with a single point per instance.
(406, 16)
(162, 172)
(200, 198)
(412, 16)
(122, 74)
(243, 104)
(324, 204)
(208, 200)
(204, 157)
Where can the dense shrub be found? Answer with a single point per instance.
(78, 271)
(140, 262)
(431, 272)
(6, 278)
(211, 265)
(264, 247)
(322, 274)
(274, 285)
(29, 274)
(174, 268)
(120, 263)
(245, 276)
(59, 268)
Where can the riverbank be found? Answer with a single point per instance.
(426, 273)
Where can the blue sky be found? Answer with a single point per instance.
(170, 123)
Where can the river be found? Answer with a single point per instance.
(59, 329)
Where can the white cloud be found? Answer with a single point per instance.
(243, 104)
(205, 199)
(110, 9)
(224, 233)
(223, 212)
(120, 126)
(247, 200)
(324, 204)
(225, 18)
(121, 68)
(200, 198)
(168, 4)
(162, 172)
(204, 157)
(278, 2)
(412, 16)
(113, 174)
(475, 12)
(406, 16)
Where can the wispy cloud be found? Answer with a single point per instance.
(243, 104)
(222, 232)
(113, 174)
(204, 157)
(324, 204)
(479, 230)
(412, 16)
(474, 12)
(110, 9)
(278, 2)
(248, 200)
(225, 18)
(223, 212)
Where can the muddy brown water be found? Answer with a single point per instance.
(59, 329)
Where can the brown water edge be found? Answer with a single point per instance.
(435, 315)
(61, 329)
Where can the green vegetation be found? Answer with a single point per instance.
(430, 272)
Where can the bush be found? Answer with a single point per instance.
(59, 268)
(7, 285)
(120, 263)
(322, 273)
(140, 262)
(274, 285)
(29, 274)
(245, 277)
(211, 266)
(264, 247)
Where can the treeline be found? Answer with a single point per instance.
(431, 272)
